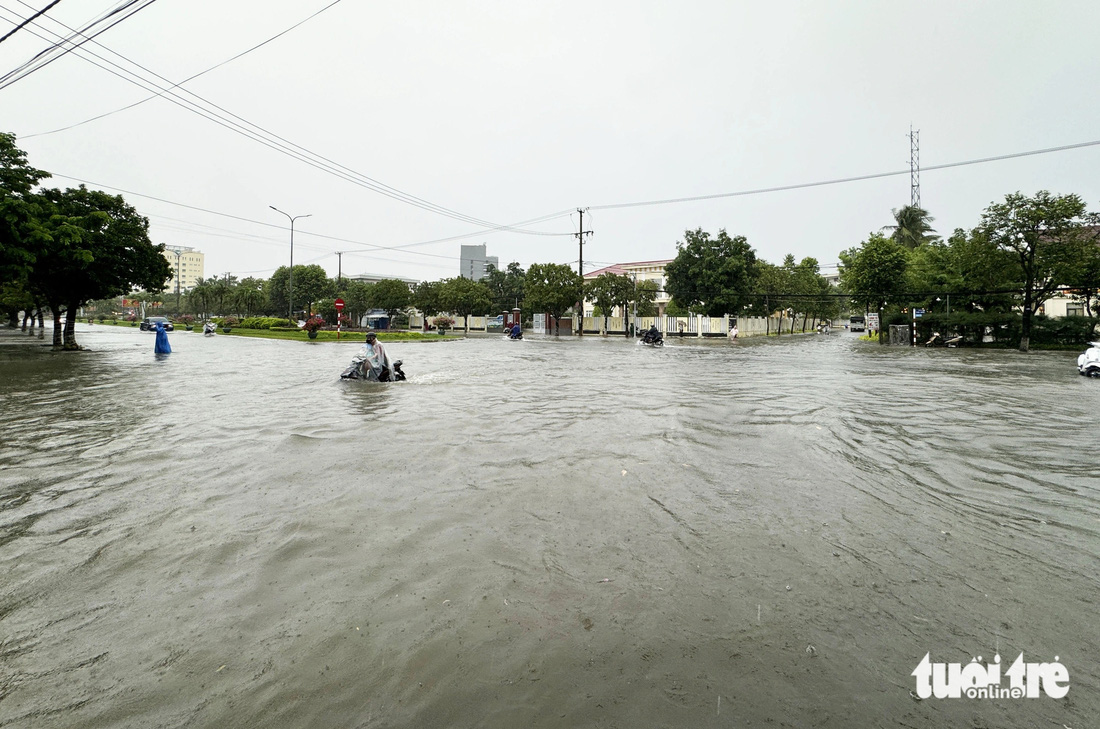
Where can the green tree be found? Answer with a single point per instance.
(505, 287)
(607, 290)
(311, 283)
(552, 288)
(22, 233)
(712, 276)
(912, 227)
(1046, 235)
(465, 297)
(101, 249)
(1084, 278)
(357, 298)
(428, 298)
(645, 297)
(200, 299)
(772, 282)
(392, 296)
(874, 274)
(249, 297)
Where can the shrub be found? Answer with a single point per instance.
(264, 322)
(443, 322)
(229, 322)
(313, 323)
(186, 319)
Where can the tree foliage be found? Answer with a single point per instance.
(391, 295)
(1046, 236)
(714, 276)
(552, 288)
(465, 297)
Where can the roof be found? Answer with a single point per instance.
(623, 268)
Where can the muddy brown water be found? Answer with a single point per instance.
(546, 533)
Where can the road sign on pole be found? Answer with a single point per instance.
(339, 304)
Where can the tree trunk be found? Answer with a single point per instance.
(56, 327)
(70, 328)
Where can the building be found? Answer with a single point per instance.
(475, 262)
(373, 278)
(187, 267)
(639, 271)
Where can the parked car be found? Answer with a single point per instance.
(149, 323)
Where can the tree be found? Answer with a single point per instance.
(101, 249)
(357, 298)
(427, 297)
(200, 299)
(552, 288)
(391, 295)
(465, 297)
(505, 287)
(249, 297)
(311, 283)
(912, 227)
(22, 234)
(771, 282)
(645, 297)
(874, 274)
(1046, 235)
(607, 290)
(713, 276)
(1084, 279)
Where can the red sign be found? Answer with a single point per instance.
(339, 303)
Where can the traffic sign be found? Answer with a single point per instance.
(339, 303)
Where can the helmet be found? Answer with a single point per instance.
(371, 336)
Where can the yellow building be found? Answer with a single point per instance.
(187, 267)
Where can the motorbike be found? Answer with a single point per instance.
(515, 336)
(1088, 364)
(938, 340)
(653, 339)
(362, 370)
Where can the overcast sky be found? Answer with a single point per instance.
(501, 113)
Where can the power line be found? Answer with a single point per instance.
(273, 141)
(858, 178)
(189, 78)
(28, 21)
(44, 58)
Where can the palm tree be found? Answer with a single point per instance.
(912, 226)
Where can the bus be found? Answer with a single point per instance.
(857, 323)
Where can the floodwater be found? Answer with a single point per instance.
(545, 533)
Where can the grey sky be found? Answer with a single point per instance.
(509, 112)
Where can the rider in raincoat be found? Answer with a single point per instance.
(374, 360)
(162, 346)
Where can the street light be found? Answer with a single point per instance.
(290, 296)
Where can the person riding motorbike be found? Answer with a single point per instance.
(652, 335)
(516, 332)
(375, 357)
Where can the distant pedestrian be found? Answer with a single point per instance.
(733, 333)
(162, 346)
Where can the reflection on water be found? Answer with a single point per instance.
(539, 533)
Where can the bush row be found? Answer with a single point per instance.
(263, 322)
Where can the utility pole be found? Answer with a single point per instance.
(580, 270)
(914, 167)
(339, 264)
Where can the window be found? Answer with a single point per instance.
(1075, 309)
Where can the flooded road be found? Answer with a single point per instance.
(545, 533)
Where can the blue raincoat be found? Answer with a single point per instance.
(162, 346)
